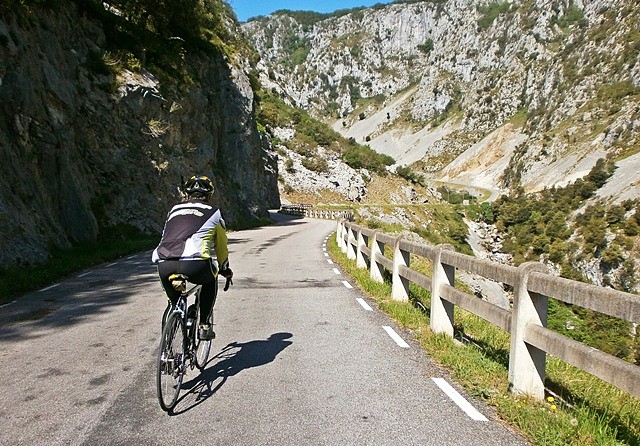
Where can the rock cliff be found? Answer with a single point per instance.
(494, 95)
(86, 148)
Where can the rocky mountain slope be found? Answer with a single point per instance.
(494, 95)
(89, 143)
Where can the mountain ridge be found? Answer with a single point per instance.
(566, 76)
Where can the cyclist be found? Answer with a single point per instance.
(194, 233)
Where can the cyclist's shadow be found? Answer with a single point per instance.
(234, 358)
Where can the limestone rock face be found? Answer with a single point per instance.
(86, 149)
(548, 86)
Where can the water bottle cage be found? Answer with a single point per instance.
(191, 315)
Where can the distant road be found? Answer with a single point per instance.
(480, 192)
(301, 358)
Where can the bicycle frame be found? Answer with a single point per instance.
(193, 352)
(181, 304)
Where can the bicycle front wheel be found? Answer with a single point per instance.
(203, 347)
(171, 362)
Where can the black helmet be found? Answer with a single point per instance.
(198, 186)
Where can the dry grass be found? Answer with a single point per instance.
(322, 197)
(388, 190)
(380, 191)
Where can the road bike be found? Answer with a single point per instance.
(180, 346)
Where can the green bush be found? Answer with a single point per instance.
(427, 46)
(316, 164)
(358, 156)
(408, 174)
(515, 216)
(490, 13)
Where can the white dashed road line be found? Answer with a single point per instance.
(464, 405)
(85, 274)
(459, 400)
(111, 264)
(49, 287)
(397, 339)
(364, 304)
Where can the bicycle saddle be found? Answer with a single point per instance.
(179, 282)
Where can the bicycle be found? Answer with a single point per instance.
(180, 346)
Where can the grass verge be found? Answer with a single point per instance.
(19, 280)
(579, 410)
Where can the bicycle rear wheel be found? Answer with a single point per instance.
(203, 347)
(171, 365)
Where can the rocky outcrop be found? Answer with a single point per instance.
(562, 78)
(85, 148)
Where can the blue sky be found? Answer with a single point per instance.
(250, 8)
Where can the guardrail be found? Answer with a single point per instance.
(295, 209)
(531, 341)
(306, 210)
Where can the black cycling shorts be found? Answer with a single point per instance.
(200, 272)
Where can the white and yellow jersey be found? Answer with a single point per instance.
(193, 231)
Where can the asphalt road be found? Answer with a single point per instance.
(298, 360)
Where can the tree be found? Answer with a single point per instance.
(169, 18)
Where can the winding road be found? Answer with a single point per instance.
(301, 358)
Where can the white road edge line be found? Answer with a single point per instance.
(336, 270)
(131, 257)
(110, 265)
(397, 339)
(85, 274)
(7, 304)
(459, 400)
(346, 284)
(49, 287)
(326, 254)
(330, 262)
(364, 304)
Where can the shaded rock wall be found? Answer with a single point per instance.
(84, 150)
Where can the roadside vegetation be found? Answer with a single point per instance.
(579, 409)
(149, 34)
(112, 245)
(569, 230)
(309, 133)
(119, 242)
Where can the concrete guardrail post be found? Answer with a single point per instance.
(377, 249)
(526, 362)
(340, 235)
(399, 285)
(351, 240)
(441, 310)
(362, 243)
